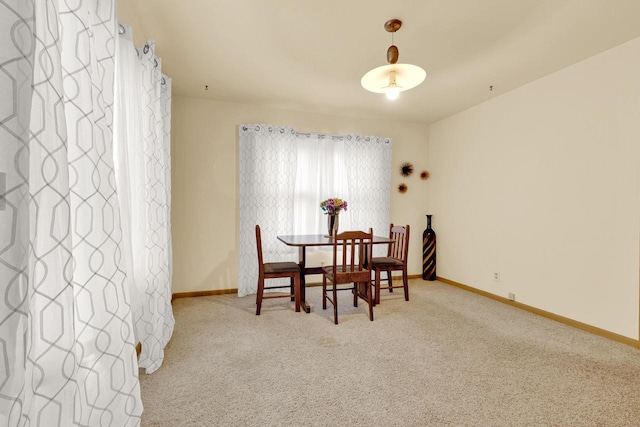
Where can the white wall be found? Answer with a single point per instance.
(542, 184)
(126, 15)
(205, 187)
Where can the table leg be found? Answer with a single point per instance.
(303, 260)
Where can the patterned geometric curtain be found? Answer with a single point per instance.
(267, 156)
(143, 172)
(67, 345)
(368, 160)
(154, 323)
(65, 323)
(284, 175)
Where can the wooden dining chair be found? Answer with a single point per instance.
(396, 260)
(351, 265)
(276, 270)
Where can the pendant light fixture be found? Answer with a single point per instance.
(393, 78)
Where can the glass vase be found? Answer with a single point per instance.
(332, 224)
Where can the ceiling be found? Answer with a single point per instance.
(311, 55)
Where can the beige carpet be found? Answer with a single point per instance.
(446, 358)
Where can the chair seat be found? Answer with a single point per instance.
(346, 274)
(280, 267)
(386, 261)
(340, 269)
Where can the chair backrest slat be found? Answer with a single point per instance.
(259, 249)
(400, 248)
(356, 249)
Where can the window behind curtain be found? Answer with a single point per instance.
(320, 174)
(284, 175)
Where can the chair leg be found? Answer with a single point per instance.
(370, 300)
(355, 291)
(405, 281)
(324, 292)
(377, 286)
(335, 304)
(259, 296)
(292, 292)
(373, 287)
(296, 291)
(389, 281)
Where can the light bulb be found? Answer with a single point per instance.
(393, 93)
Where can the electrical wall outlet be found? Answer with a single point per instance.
(512, 297)
(496, 276)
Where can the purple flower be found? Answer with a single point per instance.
(333, 206)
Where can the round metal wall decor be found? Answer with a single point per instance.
(406, 169)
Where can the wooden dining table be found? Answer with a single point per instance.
(302, 242)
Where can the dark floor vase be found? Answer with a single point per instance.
(429, 252)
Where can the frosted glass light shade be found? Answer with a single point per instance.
(407, 77)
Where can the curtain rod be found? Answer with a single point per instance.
(320, 135)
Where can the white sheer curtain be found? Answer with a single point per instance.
(65, 321)
(67, 345)
(127, 124)
(143, 172)
(317, 155)
(267, 168)
(368, 169)
(284, 175)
